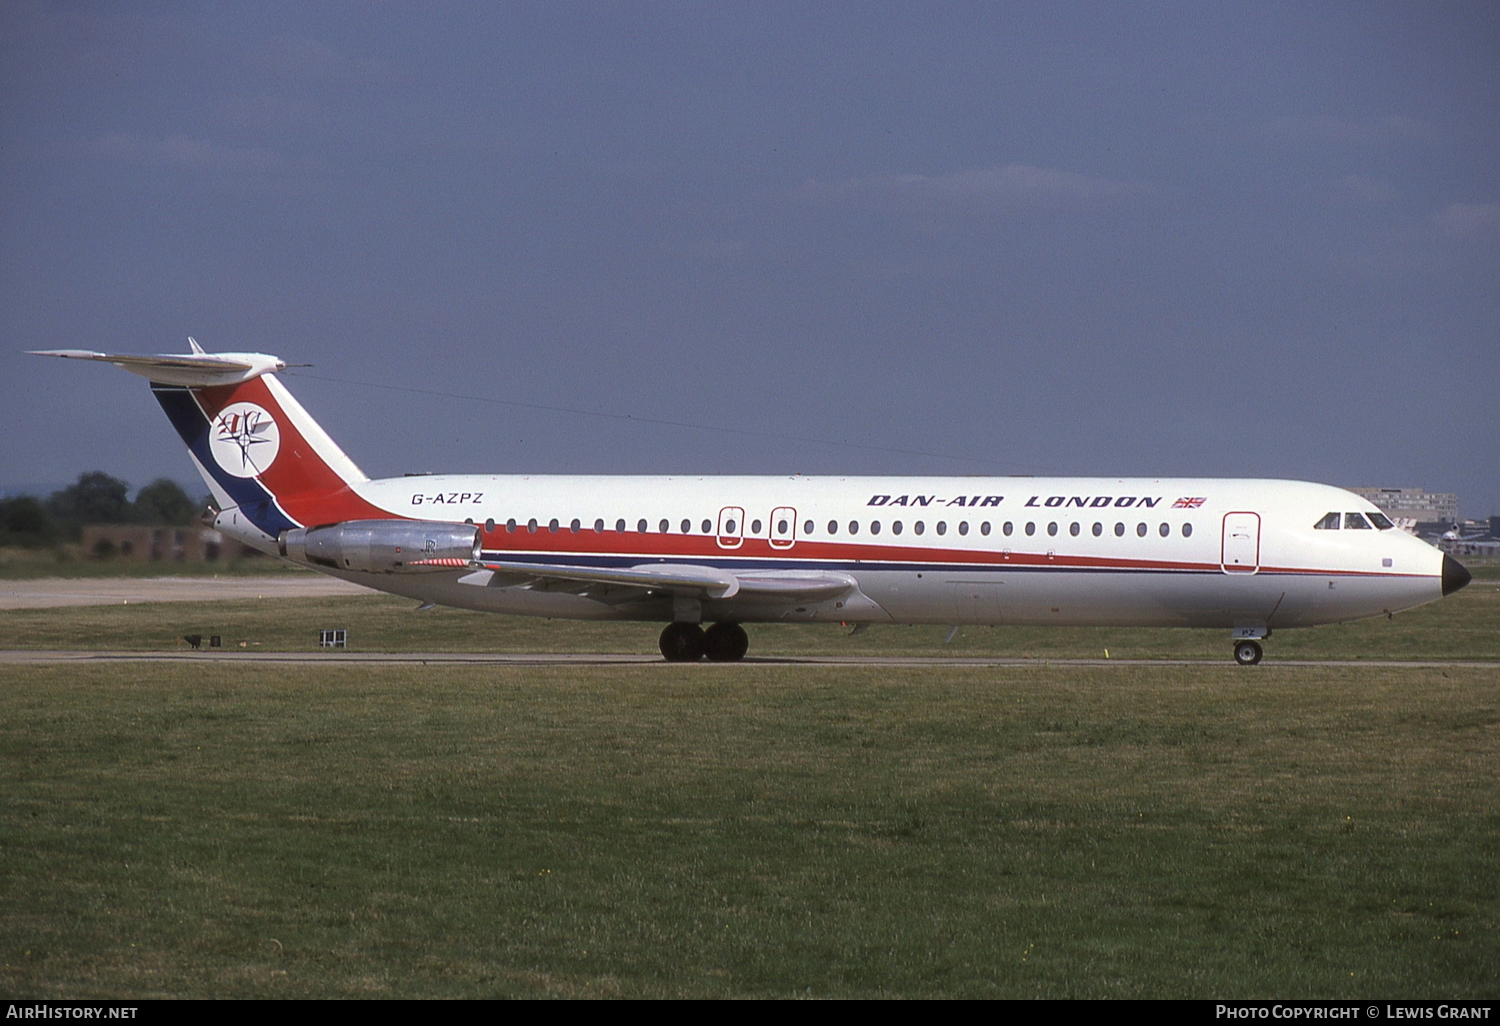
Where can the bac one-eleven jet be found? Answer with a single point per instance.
(1245, 556)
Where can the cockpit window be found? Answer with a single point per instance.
(1381, 521)
(1355, 522)
(1330, 522)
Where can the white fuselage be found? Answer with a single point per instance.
(1239, 554)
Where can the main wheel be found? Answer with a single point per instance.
(682, 642)
(726, 643)
(1248, 653)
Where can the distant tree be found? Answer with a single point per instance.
(24, 521)
(95, 498)
(164, 502)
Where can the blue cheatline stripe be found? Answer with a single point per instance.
(593, 561)
(252, 497)
(599, 561)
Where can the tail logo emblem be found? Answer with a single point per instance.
(244, 440)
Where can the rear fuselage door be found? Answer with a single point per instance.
(783, 527)
(731, 527)
(1240, 551)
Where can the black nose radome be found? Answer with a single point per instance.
(1454, 575)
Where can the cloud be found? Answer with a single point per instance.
(1323, 128)
(240, 167)
(1012, 188)
(1468, 218)
(181, 151)
(268, 112)
(301, 59)
(1363, 191)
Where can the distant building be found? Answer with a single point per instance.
(1412, 503)
(187, 544)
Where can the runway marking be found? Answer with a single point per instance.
(54, 592)
(39, 657)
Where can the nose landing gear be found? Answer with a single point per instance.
(687, 643)
(1247, 652)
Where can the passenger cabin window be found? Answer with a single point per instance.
(1330, 522)
(619, 527)
(1355, 522)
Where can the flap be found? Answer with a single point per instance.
(678, 578)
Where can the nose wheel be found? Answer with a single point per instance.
(1248, 653)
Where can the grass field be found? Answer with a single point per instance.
(223, 829)
(750, 830)
(1466, 625)
(73, 561)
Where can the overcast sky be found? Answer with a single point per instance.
(1099, 238)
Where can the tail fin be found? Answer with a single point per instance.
(260, 451)
(265, 460)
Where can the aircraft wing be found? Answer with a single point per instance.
(674, 578)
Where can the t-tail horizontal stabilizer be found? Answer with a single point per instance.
(193, 370)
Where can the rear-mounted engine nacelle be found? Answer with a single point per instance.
(383, 546)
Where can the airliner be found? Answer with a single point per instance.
(1247, 556)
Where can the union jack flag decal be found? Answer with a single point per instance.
(1190, 503)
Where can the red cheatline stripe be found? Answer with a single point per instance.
(565, 543)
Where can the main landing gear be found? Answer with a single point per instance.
(687, 643)
(1247, 653)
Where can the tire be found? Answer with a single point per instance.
(1248, 653)
(681, 643)
(726, 643)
